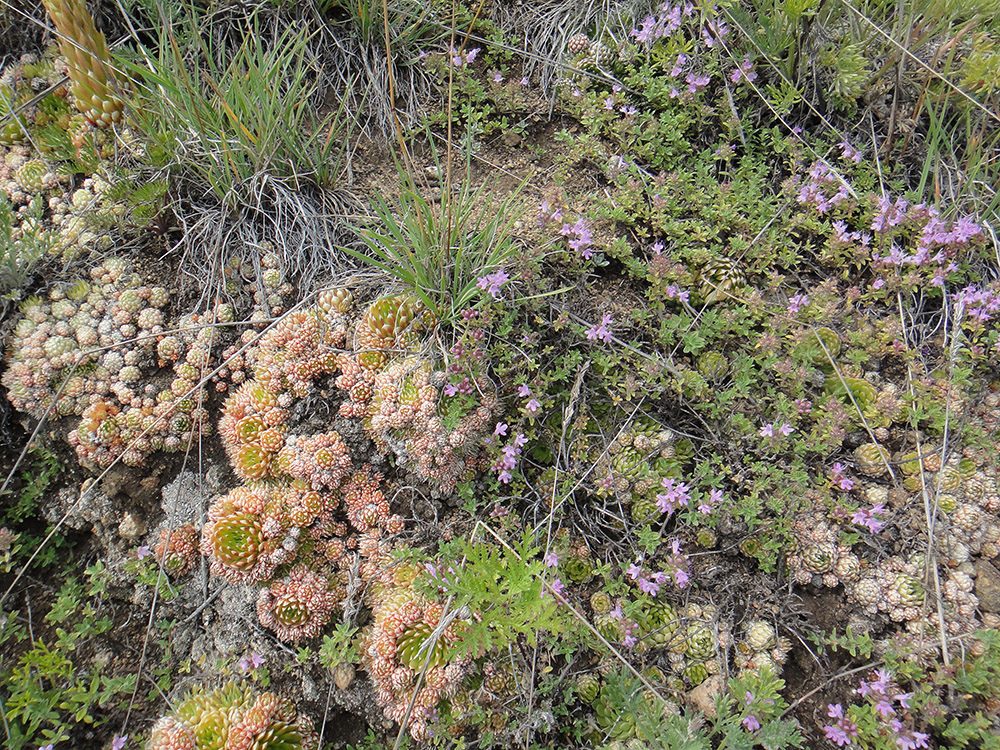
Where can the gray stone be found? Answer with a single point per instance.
(187, 497)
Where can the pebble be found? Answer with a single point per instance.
(703, 696)
(988, 586)
(343, 675)
(132, 527)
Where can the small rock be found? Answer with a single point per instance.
(703, 696)
(988, 586)
(186, 497)
(132, 527)
(512, 139)
(309, 689)
(343, 675)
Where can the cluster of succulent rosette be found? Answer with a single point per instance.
(90, 350)
(286, 529)
(311, 514)
(819, 555)
(308, 510)
(406, 652)
(690, 642)
(235, 717)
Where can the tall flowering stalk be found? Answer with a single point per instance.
(86, 50)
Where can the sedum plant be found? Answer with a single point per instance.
(86, 50)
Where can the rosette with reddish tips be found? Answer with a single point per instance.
(409, 633)
(248, 535)
(233, 717)
(298, 606)
(253, 431)
(177, 550)
(390, 323)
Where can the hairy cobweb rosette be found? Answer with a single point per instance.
(233, 717)
(301, 346)
(298, 606)
(248, 535)
(366, 506)
(322, 461)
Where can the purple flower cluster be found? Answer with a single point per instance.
(797, 302)
(507, 460)
(250, 663)
(556, 586)
(630, 640)
(849, 153)
(676, 494)
(825, 189)
(676, 570)
(844, 731)
(938, 241)
(695, 81)
(461, 59)
(533, 404)
(678, 565)
(580, 238)
(750, 722)
(770, 431)
(600, 331)
(867, 517)
(440, 574)
(714, 32)
(665, 23)
(464, 387)
(980, 304)
(492, 282)
(674, 292)
(887, 701)
(548, 215)
(708, 504)
(843, 238)
(629, 627)
(889, 214)
(743, 72)
(839, 480)
(648, 583)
